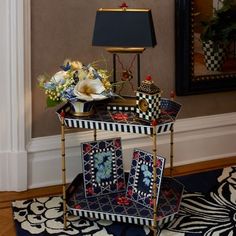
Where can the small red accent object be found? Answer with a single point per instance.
(172, 94)
(87, 148)
(78, 206)
(158, 164)
(154, 122)
(62, 114)
(149, 78)
(123, 201)
(136, 155)
(130, 192)
(117, 143)
(151, 202)
(120, 116)
(120, 185)
(123, 5)
(89, 191)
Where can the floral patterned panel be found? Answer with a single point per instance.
(140, 183)
(103, 167)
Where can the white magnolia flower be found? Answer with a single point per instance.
(59, 77)
(89, 90)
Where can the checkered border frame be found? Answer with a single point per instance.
(133, 192)
(136, 189)
(91, 187)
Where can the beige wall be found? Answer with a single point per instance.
(63, 29)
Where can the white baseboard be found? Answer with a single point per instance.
(195, 139)
(13, 176)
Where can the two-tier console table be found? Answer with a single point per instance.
(103, 207)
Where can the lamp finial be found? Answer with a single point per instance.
(149, 78)
(124, 6)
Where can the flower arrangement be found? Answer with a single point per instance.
(76, 82)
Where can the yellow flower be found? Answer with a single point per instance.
(107, 84)
(76, 65)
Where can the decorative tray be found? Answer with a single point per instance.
(107, 207)
(123, 121)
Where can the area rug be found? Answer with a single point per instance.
(208, 208)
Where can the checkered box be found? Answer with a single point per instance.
(153, 109)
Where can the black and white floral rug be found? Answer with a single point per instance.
(208, 208)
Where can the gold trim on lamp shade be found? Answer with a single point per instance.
(126, 9)
(125, 50)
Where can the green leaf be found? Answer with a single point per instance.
(220, 28)
(52, 103)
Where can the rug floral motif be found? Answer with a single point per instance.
(207, 214)
(44, 216)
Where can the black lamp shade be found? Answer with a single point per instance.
(124, 28)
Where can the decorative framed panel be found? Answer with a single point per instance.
(102, 167)
(140, 182)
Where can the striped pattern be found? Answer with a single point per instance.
(120, 108)
(120, 218)
(117, 127)
(106, 120)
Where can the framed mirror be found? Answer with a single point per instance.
(192, 74)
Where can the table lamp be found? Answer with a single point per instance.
(124, 30)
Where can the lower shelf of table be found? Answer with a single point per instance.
(106, 206)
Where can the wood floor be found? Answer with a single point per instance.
(6, 218)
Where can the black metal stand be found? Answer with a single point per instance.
(116, 51)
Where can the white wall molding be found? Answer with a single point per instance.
(204, 122)
(13, 155)
(27, 71)
(196, 139)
